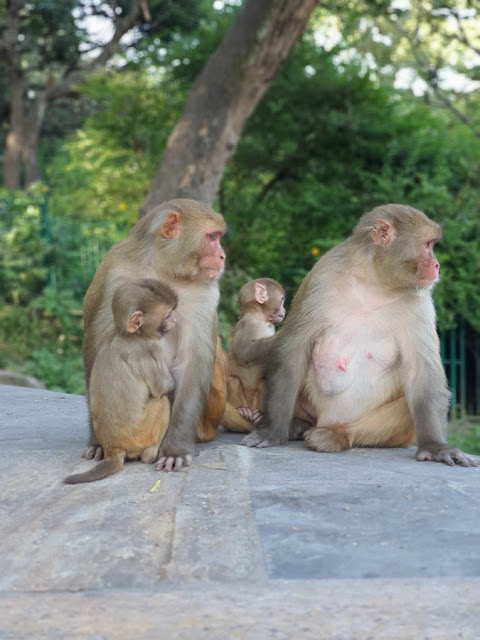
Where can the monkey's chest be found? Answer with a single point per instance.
(357, 357)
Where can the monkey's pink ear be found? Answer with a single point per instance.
(171, 227)
(261, 293)
(383, 232)
(135, 321)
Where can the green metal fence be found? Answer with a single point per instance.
(80, 243)
(460, 351)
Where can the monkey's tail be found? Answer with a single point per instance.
(233, 421)
(102, 470)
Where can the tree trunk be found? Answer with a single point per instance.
(21, 149)
(224, 95)
(31, 136)
(13, 146)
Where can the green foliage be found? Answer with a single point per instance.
(330, 140)
(336, 145)
(46, 265)
(23, 273)
(467, 440)
(56, 353)
(106, 168)
(52, 27)
(43, 338)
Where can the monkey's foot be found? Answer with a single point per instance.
(251, 415)
(330, 439)
(150, 454)
(171, 463)
(257, 439)
(298, 428)
(93, 452)
(446, 454)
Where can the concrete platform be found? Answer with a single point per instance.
(273, 543)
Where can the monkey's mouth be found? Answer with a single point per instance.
(427, 283)
(211, 272)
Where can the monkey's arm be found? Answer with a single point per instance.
(285, 370)
(252, 351)
(159, 380)
(192, 383)
(428, 398)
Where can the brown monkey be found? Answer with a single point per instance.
(261, 307)
(357, 362)
(130, 378)
(178, 243)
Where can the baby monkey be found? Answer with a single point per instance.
(261, 308)
(130, 378)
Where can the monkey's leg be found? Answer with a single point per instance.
(94, 450)
(155, 418)
(298, 428)
(235, 392)
(253, 396)
(390, 425)
(217, 396)
(331, 439)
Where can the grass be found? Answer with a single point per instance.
(464, 433)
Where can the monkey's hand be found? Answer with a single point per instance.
(250, 415)
(446, 454)
(173, 463)
(93, 452)
(258, 439)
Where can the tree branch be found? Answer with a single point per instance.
(430, 74)
(463, 36)
(65, 86)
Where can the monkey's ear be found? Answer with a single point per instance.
(383, 232)
(171, 227)
(135, 321)
(261, 293)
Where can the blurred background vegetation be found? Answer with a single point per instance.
(377, 103)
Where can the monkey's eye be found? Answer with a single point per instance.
(214, 236)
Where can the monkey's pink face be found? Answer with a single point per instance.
(212, 260)
(279, 313)
(428, 267)
(168, 323)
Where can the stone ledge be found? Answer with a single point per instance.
(278, 542)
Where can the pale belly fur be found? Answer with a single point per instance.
(352, 372)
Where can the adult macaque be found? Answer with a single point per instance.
(178, 243)
(357, 362)
(130, 379)
(261, 307)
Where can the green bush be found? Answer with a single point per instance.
(46, 265)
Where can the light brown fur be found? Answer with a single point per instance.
(178, 243)
(215, 407)
(357, 362)
(130, 379)
(261, 307)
